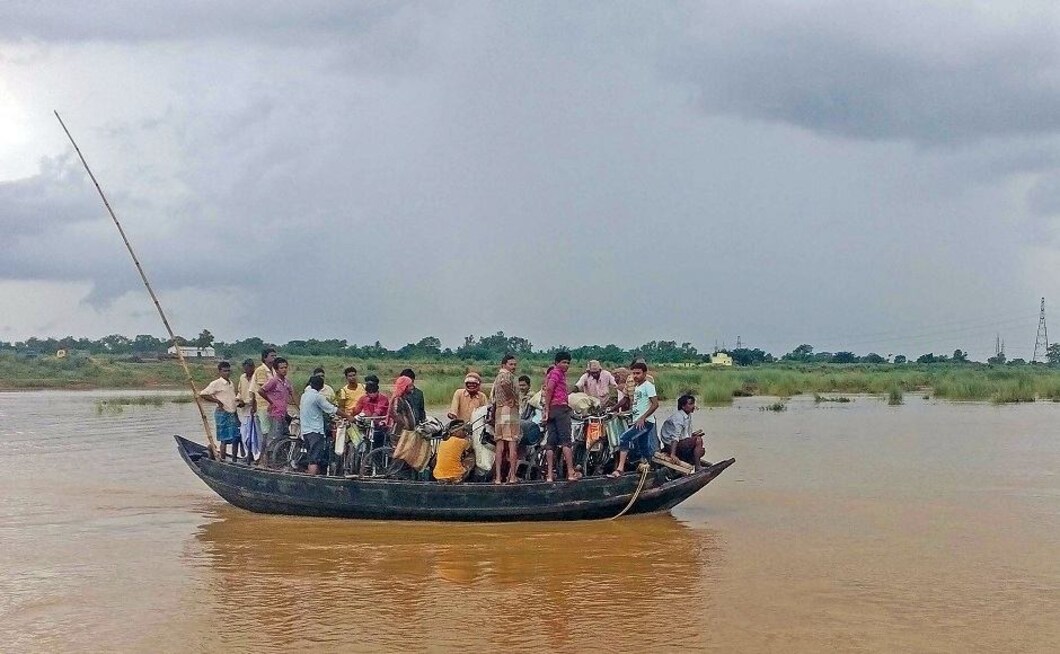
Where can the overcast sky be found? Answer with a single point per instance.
(854, 175)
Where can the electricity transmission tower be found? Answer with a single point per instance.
(1041, 343)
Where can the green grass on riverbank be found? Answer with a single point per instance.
(438, 380)
(118, 404)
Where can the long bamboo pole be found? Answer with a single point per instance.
(151, 292)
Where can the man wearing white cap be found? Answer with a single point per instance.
(597, 382)
(468, 398)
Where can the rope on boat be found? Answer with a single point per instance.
(644, 469)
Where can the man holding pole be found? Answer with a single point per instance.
(222, 393)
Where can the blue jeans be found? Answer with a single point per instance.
(640, 442)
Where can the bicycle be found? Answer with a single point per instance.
(591, 456)
(289, 452)
(365, 454)
(597, 456)
(533, 464)
(433, 431)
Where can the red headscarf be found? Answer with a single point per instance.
(401, 386)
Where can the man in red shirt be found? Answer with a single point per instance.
(279, 393)
(555, 417)
(373, 404)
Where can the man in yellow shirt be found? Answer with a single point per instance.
(246, 405)
(449, 459)
(222, 393)
(346, 399)
(263, 374)
(349, 394)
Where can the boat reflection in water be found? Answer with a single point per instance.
(376, 586)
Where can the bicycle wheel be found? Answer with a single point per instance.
(404, 416)
(400, 470)
(279, 453)
(299, 457)
(351, 461)
(377, 462)
(577, 454)
(580, 456)
(592, 461)
(535, 465)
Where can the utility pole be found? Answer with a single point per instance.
(1041, 343)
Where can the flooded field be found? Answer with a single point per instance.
(860, 527)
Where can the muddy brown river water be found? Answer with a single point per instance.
(929, 527)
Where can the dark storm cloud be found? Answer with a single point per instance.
(932, 73)
(389, 171)
(59, 195)
(131, 21)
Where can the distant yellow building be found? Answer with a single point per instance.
(720, 359)
(60, 354)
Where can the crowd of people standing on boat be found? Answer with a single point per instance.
(260, 398)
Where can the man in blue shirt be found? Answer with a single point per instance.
(311, 415)
(642, 433)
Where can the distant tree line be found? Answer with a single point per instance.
(482, 348)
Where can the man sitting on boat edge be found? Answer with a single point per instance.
(677, 436)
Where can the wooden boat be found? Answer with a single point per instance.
(292, 493)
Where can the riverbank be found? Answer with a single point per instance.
(715, 386)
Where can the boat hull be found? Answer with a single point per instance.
(290, 493)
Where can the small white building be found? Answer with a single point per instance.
(720, 359)
(192, 352)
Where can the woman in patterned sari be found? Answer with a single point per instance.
(412, 447)
(506, 427)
